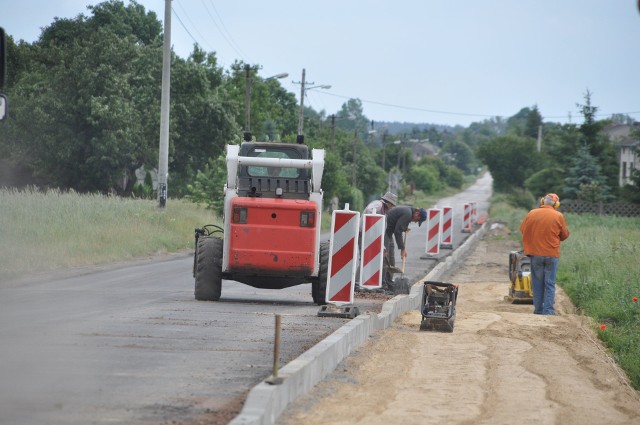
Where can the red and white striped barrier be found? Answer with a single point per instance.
(447, 228)
(343, 251)
(433, 231)
(474, 212)
(466, 219)
(372, 249)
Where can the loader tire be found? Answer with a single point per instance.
(319, 286)
(208, 269)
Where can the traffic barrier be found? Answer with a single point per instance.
(466, 219)
(433, 231)
(474, 213)
(343, 252)
(372, 249)
(447, 228)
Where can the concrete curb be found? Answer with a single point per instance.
(266, 402)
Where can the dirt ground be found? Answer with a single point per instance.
(501, 365)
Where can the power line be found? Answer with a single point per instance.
(183, 26)
(192, 24)
(433, 111)
(231, 40)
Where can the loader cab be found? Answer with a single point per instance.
(274, 181)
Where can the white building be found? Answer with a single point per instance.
(628, 160)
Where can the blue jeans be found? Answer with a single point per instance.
(543, 283)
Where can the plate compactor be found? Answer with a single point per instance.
(520, 275)
(438, 306)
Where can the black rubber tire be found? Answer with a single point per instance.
(319, 286)
(208, 273)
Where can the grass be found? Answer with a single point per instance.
(45, 231)
(600, 271)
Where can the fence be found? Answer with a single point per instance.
(623, 209)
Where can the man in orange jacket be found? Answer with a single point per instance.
(542, 231)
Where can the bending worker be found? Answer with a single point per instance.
(398, 220)
(542, 231)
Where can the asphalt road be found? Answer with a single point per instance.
(130, 344)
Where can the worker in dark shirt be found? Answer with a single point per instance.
(398, 220)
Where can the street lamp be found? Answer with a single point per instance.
(247, 100)
(303, 89)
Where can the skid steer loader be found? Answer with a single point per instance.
(271, 233)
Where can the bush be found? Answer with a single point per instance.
(426, 178)
(454, 178)
(521, 199)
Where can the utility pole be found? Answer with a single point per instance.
(300, 138)
(539, 138)
(355, 163)
(163, 160)
(247, 103)
(333, 130)
(303, 89)
(383, 150)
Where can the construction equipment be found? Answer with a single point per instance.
(520, 291)
(438, 307)
(271, 233)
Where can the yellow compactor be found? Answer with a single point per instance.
(520, 275)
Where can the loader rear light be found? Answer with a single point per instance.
(239, 215)
(307, 219)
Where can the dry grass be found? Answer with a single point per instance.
(52, 230)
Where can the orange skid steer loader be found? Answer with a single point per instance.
(271, 233)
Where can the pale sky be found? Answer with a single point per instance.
(421, 61)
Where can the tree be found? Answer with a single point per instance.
(590, 127)
(510, 159)
(599, 146)
(79, 118)
(458, 154)
(351, 117)
(545, 181)
(534, 122)
(274, 111)
(584, 180)
(86, 114)
(202, 122)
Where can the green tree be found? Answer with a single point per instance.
(511, 160)
(584, 180)
(351, 117)
(545, 181)
(335, 180)
(458, 154)
(534, 122)
(599, 145)
(202, 123)
(425, 177)
(208, 185)
(273, 109)
(77, 118)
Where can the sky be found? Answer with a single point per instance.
(449, 62)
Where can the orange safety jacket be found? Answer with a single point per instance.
(542, 231)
